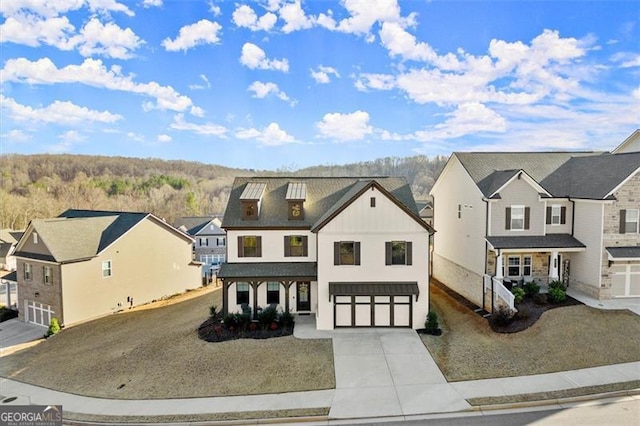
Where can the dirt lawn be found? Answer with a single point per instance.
(565, 338)
(154, 352)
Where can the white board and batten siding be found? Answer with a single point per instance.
(372, 227)
(272, 242)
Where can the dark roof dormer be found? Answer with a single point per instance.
(251, 199)
(296, 196)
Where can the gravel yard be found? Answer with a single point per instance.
(565, 338)
(154, 352)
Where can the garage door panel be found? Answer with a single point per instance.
(39, 313)
(363, 315)
(401, 316)
(343, 315)
(634, 289)
(383, 315)
(618, 285)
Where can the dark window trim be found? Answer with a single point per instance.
(288, 246)
(273, 296)
(337, 258)
(241, 247)
(241, 295)
(408, 253)
(249, 210)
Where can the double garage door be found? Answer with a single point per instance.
(373, 304)
(38, 313)
(625, 280)
(373, 311)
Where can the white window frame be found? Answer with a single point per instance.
(28, 272)
(556, 210)
(519, 216)
(47, 275)
(221, 241)
(107, 269)
(526, 265)
(636, 223)
(205, 240)
(519, 266)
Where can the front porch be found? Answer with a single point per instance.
(250, 287)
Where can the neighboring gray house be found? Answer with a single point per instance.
(210, 246)
(546, 216)
(425, 210)
(8, 240)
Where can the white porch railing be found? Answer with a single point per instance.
(499, 291)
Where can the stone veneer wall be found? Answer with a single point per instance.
(461, 280)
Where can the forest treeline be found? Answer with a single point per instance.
(44, 185)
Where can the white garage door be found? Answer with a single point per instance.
(372, 311)
(38, 313)
(625, 280)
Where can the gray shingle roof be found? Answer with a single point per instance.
(592, 177)
(275, 270)
(193, 225)
(324, 196)
(548, 241)
(628, 252)
(489, 169)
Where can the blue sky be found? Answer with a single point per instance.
(282, 83)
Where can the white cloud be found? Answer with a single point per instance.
(151, 3)
(67, 139)
(206, 85)
(137, 137)
(59, 112)
(254, 57)
(214, 9)
(245, 17)
(294, 17)
(469, 118)
(272, 135)
(107, 40)
(364, 14)
(208, 129)
(92, 72)
(55, 8)
(164, 138)
(322, 74)
(31, 30)
(375, 81)
(400, 43)
(17, 136)
(262, 90)
(202, 32)
(345, 127)
(626, 59)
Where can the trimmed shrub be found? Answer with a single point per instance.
(54, 327)
(213, 312)
(431, 323)
(267, 316)
(7, 314)
(518, 294)
(503, 316)
(531, 289)
(557, 294)
(286, 319)
(557, 284)
(540, 299)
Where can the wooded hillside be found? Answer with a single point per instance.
(40, 186)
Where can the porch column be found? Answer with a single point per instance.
(225, 297)
(553, 266)
(499, 265)
(254, 286)
(286, 285)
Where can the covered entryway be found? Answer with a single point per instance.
(38, 313)
(373, 304)
(624, 271)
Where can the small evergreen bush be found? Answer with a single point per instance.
(286, 319)
(540, 299)
(267, 316)
(557, 284)
(503, 315)
(531, 289)
(518, 294)
(213, 312)
(54, 327)
(557, 294)
(431, 323)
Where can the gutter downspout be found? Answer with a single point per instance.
(486, 249)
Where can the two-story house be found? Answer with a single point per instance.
(210, 245)
(8, 240)
(546, 216)
(354, 252)
(84, 264)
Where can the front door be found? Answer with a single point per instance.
(303, 296)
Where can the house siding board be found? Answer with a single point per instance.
(372, 228)
(586, 266)
(518, 192)
(461, 239)
(148, 264)
(272, 246)
(568, 211)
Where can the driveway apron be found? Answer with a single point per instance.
(388, 372)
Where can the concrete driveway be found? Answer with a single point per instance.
(388, 372)
(15, 332)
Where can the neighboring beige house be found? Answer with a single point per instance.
(210, 245)
(85, 264)
(8, 240)
(514, 217)
(630, 144)
(354, 252)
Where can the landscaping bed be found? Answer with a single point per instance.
(528, 313)
(214, 330)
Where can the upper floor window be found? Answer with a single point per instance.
(204, 241)
(47, 274)
(629, 221)
(398, 252)
(250, 246)
(295, 245)
(517, 218)
(459, 211)
(296, 210)
(250, 210)
(346, 253)
(27, 272)
(372, 201)
(221, 241)
(106, 268)
(556, 215)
